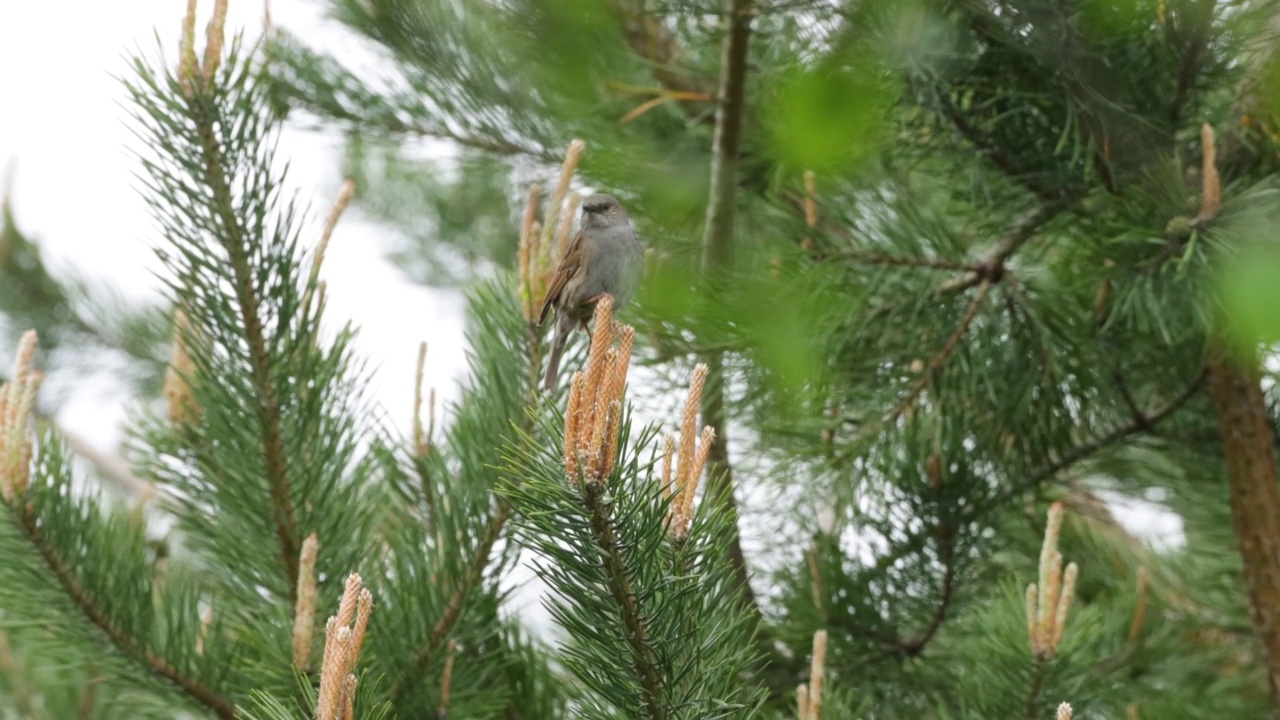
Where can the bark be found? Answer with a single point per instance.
(1247, 443)
(717, 252)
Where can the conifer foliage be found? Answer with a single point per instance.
(937, 292)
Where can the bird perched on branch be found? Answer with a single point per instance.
(605, 257)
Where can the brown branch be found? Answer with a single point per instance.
(915, 646)
(1002, 161)
(1080, 452)
(1147, 421)
(717, 256)
(1189, 67)
(953, 341)
(453, 606)
(930, 263)
(1255, 498)
(1022, 230)
(124, 642)
(497, 521)
(643, 660)
(651, 39)
(1033, 693)
(935, 362)
(1117, 378)
(994, 267)
(234, 241)
(944, 534)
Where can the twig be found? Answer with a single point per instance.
(916, 645)
(1056, 465)
(946, 549)
(453, 606)
(497, 146)
(1145, 422)
(913, 647)
(650, 38)
(446, 681)
(497, 521)
(931, 263)
(1189, 67)
(643, 660)
(234, 241)
(1033, 693)
(661, 99)
(717, 254)
(1122, 387)
(994, 154)
(935, 362)
(127, 644)
(994, 267)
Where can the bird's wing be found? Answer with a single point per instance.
(568, 267)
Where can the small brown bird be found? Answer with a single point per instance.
(605, 257)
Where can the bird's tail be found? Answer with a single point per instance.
(553, 359)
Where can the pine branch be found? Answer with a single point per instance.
(235, 241)
(1189, 67)
(912, 647)
(994, 266)
(1033, 692)
(945, 536)
(642, 657)
(1145, 422)
(1078, 453)
(717, 255)
(935, 362)
(130, 646)
(453, 607)
(893, 261)
(498, 518)
(498, 146)
(1004, 162)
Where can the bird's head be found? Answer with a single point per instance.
(601, 209)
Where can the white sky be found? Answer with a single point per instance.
(64, 127)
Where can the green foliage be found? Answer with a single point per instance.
(270, 439)
(1251, 285)
(1005, 299)
(83, 589)
(260, 436)
(655, 626)
(804, 135)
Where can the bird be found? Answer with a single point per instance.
(605, 257)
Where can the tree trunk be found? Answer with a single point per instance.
(1255, 499)
(717, 249)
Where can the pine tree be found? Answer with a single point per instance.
(940, 286)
